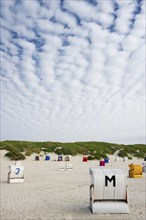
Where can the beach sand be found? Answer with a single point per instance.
(50, 194)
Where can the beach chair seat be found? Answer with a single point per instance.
(135, 170)
(108, 191)
(16, 174)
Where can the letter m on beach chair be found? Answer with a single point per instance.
(110, 180)
(108, 191)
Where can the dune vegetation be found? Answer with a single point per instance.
(19, 150)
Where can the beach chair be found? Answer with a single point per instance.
(16, 174)
(85, 158)
(69, 166)
(108, 191)
(144, 167)
(60, 158)
(37, 158)
(47, 157)
(135, 170)
(125, 159)
(62, 166)
(106, 160)
(117, 159)
(65, 166)
(67, 158)
(101, 163)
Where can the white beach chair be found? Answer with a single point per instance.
(144, 167)
(108, 191)
(117, 159)
(125, 159)
(16, 174)
(62, 165)
(65, 166)
(69, 166)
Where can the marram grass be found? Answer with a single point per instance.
(19, 150)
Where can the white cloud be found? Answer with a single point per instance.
(139, 26)
(124, 14)
(88, 11)
(106, 6)
(29, 11)
(70, 80)
(65, 18)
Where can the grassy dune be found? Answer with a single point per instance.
(18, 150)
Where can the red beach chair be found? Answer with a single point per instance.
(85, 158)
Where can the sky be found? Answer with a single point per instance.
(73, 70)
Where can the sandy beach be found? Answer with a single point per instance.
(49, 194)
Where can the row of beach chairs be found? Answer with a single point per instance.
(47, 157)
(16, 172)
(84, 159)
(106, 160)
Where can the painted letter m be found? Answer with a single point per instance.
(113, 178)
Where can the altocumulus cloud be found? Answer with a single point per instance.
(73, 70)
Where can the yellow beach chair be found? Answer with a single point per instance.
(135, 170)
